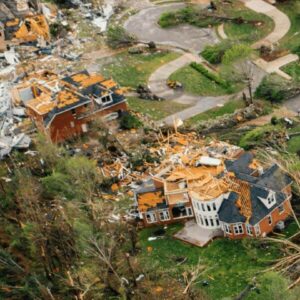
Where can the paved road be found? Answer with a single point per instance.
(293, 104)
(281, 20)
(144, 26)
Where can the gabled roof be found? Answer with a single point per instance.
(229, 211)
(274, 179)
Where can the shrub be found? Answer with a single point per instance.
(129, 121)
(214, 53)
(118, 37)
(214, 77)
(236, 52)
(272, 88)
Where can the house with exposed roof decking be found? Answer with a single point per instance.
(63, 107)
(237, 196)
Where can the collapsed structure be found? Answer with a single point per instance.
(225, 190)
(63, 107)
(21, 22)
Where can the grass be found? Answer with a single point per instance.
(228, 108)
(248, 33)
(132, 70)
(293, 69)
(196, 83)
(292, 40)
(230, 265)
(245, 32)
(156, 110)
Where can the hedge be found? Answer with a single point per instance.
(201, 69)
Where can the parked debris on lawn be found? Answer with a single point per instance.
(145, 93)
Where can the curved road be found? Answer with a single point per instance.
(144, 26)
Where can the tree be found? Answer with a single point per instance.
(117, 37)
(239, 67)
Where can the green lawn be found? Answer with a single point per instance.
(293, 69)
(230, 265)
(132, 70)
(155, 109)
(245, 32)
(292, 40)
(228, 108)
(293, 145)
(248, 33)
(196, 83)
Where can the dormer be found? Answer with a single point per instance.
(270, 200)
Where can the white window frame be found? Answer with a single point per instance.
(227, 228)
(108, 102)
(217, 220)
(281, 209)
(238, 229)
(208, 207)
(72, 124)
(189, 211)
(257, 229)
(270, 220)
(249, 229)
(152, 217)
(214, 206)
(166, 215)
(201, 220)
(203, 206)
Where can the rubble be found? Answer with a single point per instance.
(145, 93)
(10, 119)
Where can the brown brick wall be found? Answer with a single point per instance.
(264, 224)
(61, 129)
(171, 221)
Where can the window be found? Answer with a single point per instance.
(217, 220)
(202, 206)
(106, 99)
(72, 124)
(206, 221)
(164, 215)
(214, 206)
(198, 206)
(249, 229)
(281, 209)
(201, 220)
(189, 211)
(238, 229)
(151, 217)
(270, 220)
(84, 127)
(257, 230)
(73, 111)
(271, 198)
(208, 207)
(227, 228)
(211, 221)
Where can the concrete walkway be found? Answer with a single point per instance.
(195, 235)
(281, 20)
(276, 65)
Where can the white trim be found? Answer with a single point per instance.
(238, 229)
(153, 217)
(249, 229)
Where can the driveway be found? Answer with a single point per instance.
(144, 26)
(281, 20)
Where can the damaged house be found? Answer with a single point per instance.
(230, 196)
(22, 23)
(63, 107)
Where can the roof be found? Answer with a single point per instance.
(274, 179)
(241, 165)
(56, 96)
(230, 213)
